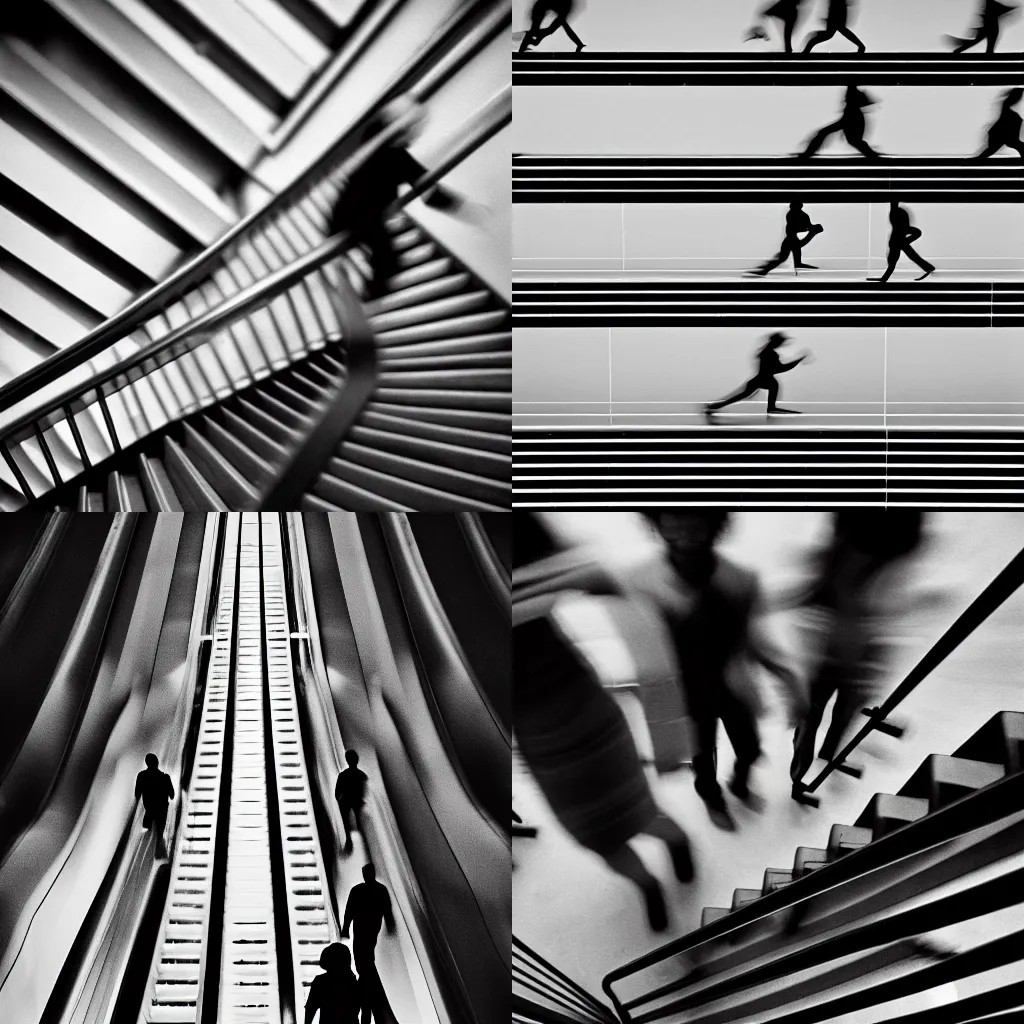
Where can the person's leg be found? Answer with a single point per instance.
(346, 811)
(846, 706)
(665, 828)
(853, 39)
(572, 35)
(818, 139)
(787, 34)
(625, 862)
(927, 267)
(773, 394)
(822, 688)
(159, 825)
(822, 36)
(967, 44)
(383, 259)
(741, 728)
(992, 37)
(777, 260)
(748, 389)
(798, 249)
(856, 140)
(894, 258)
(362, 960)
(533, 33)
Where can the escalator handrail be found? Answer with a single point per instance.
(190, 335)
(308, 460)
(975, 810)
(437, 61)
(497, 579)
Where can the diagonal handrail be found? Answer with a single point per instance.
(440, 58)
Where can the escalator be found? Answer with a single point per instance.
(201, 393)
(231, 925)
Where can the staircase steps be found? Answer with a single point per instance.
(711, 914)
(999, 741)
(888, 812)
(942, 778)
(741, 897)
(808, 859)
(845, 839)
(776, 878)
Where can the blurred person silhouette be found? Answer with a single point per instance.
(901, 236)
(987, 29)
(1006, 129)
(852, 125)
(787, 13)
(576, 741)
(844, 605)
(837, 18)
(769, 364)
(718, 640)
(521, 830)
(362, 205)
(335, 993)
(368, 907)
(561, 9)
(156, 790)
(350, 792)
(797, 223)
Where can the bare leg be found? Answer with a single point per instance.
(626, 863)
(665, 829)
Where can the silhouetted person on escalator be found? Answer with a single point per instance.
(797, 224)
(836, 20)
(768, 366)
(337, 993)
(901, 237)
(368, 907)
(987, 29)
(156, 790)
(362, 205)
(852, 124)
(350, 792)
(1006, 129)
(561, 9)
(787, 13)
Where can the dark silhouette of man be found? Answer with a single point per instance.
(901, 236)
(362, 206)
(1006, 129)
(768, 366)
(368, 907)
(852, 124)
(336, 993)
(156, 790)
(521, 830)
(987, 29)
(787, 12)
(836, 20)
(717, 640)
(350, 792)
(797, 224)
(561, 9)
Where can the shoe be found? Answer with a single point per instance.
(719, 813)
(657, 912)
(682, 862)
(927, 273)
(709, 414)
(805, 266)
(779, 411)
(580, 47)
(877, 280)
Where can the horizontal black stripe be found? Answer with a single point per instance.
(778, 319)
(596, 68)
(769, 500)
(1011, 290)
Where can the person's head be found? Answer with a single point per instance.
(1013, 97)
(884, 533)
(796, 206)
(690, 536)
(777, 339)
(151, 761)
(335, 957)
(352, 757)
(894, 205)
(402, 108)
(369, 873)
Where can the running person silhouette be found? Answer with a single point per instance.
(157, 790)
(836, 21)
(797, 222)
(900, 239)
(1005, 130)
(561, 9)
(852, 124)
(987, 30)
(787, 13)
(768, 366)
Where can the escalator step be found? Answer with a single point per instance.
(1000, 741)
(402, 298)
(845, 839)
(397, 360)
(741, 897)
(191, 487)
(711, 914)
(499, 342)
(276, 409)
(124, 493)
(157, 486)
(418, 275)
(888, 812)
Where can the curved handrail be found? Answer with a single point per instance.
(1002, 587)
(437, 61)
(497, 579)
(494, 116)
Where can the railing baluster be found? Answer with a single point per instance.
(76, 433)
(109, 420)
(16, 470)
(48, 456)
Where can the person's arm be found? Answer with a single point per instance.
(170, 786)
(389, 919)
(783, 367)
(138, 785)
(348, 916)
(312, 1002)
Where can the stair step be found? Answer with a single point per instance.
(776, 878)
(250, 466)
(272, 453)
(25, 162)
(403, 298)
(266, 424)
(124, 493)
(417, 255)
(999, 741)
(59, 102)
(498, 423)
(235, 490)
(741, 897)
(459, 457)
(845, 839)
(190, 486)
(428, 271)
(336, 493)
(63, 267)
(295, 399)
(405, 426)
(473, 344)
(888, 812)
(275, 408)
(429, 312)
(480, 379)
(149, 62)
(808, 859)
(396, 360)
(157, 486)
(488, 401)
(941, 779)
(430, 474)
(711, 914)
(473, 323)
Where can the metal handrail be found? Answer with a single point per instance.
(975, 811)
(1003, 586)
(494, 116)
(436, 62)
